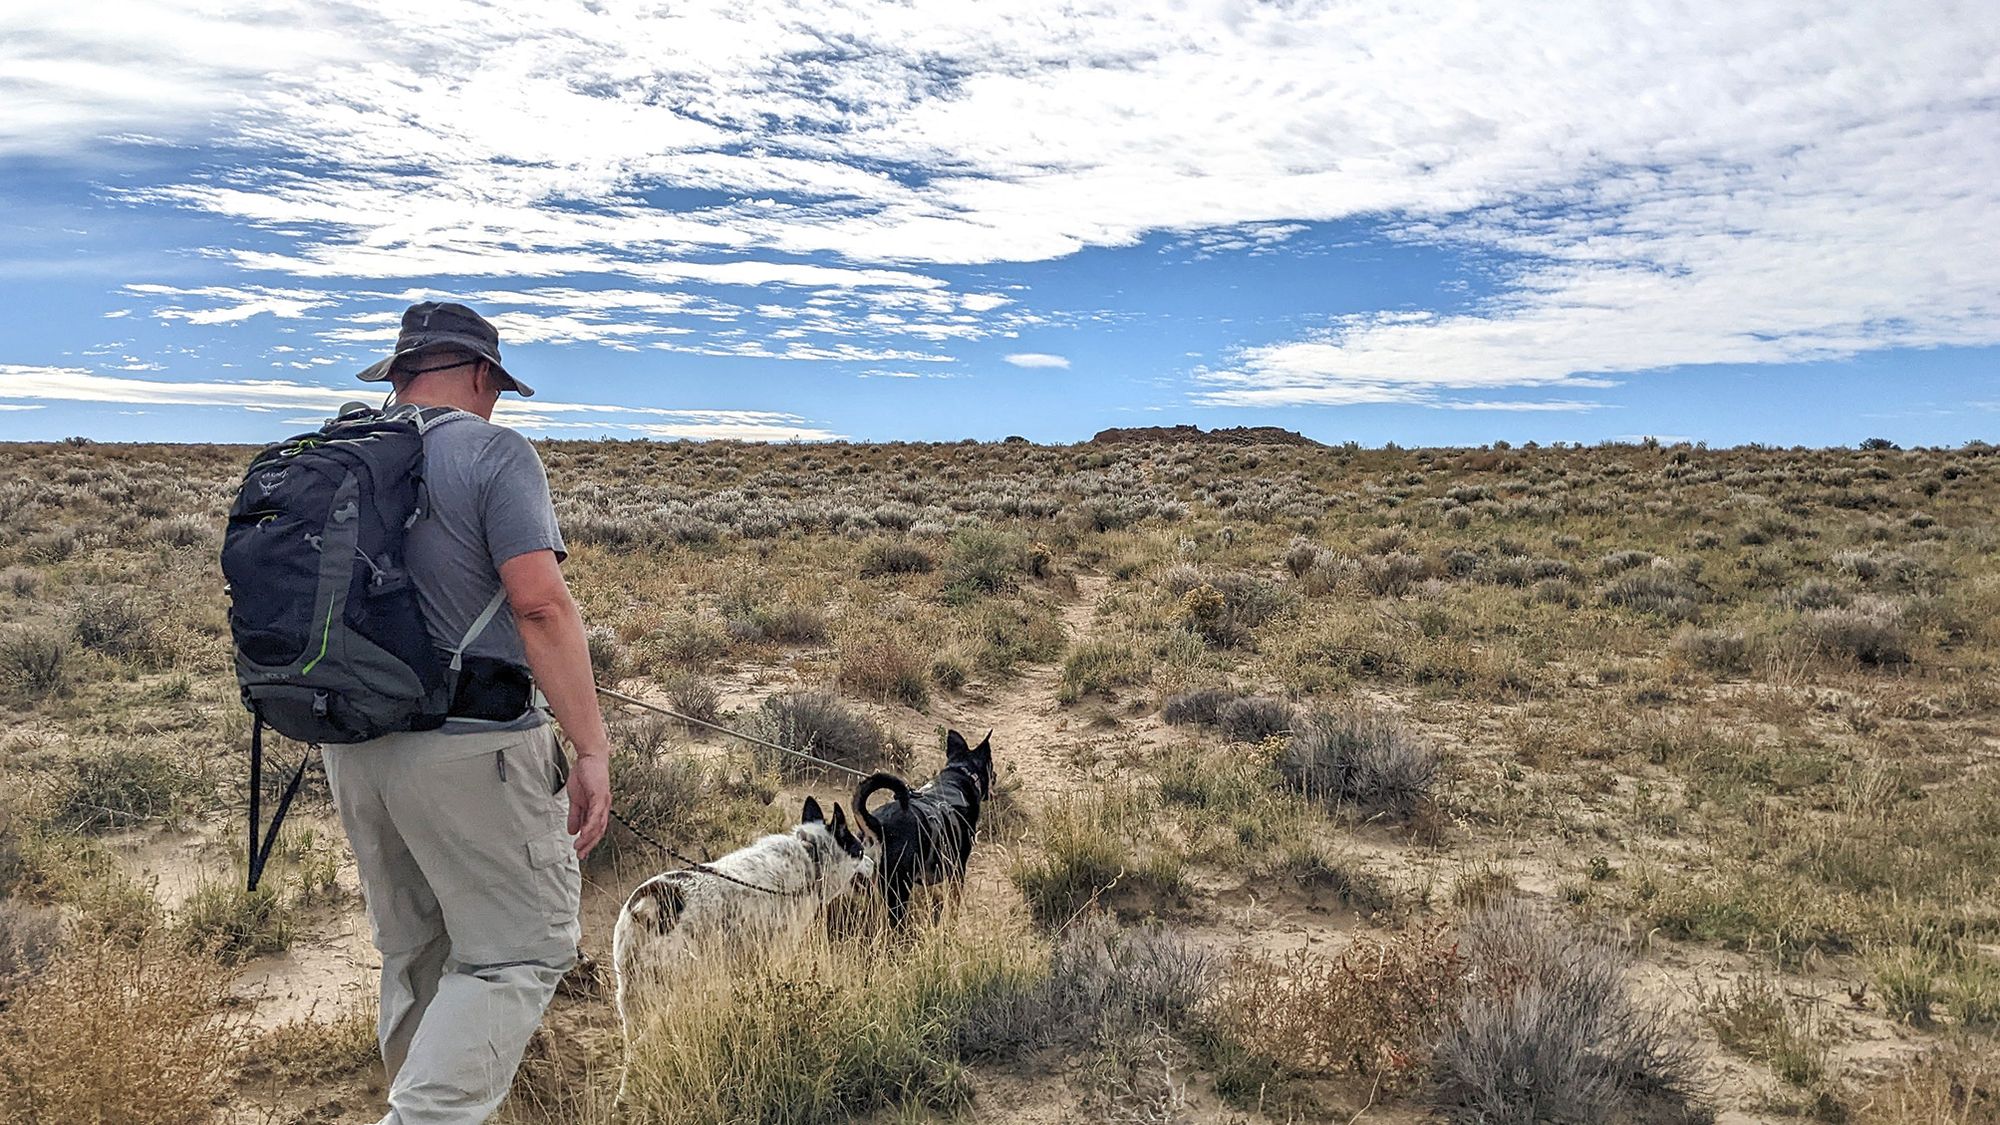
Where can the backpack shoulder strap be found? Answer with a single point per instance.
(477, 627)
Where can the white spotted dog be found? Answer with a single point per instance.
(676, 918)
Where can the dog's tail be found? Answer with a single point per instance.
(872, 784)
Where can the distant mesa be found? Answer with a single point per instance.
(1233, 435)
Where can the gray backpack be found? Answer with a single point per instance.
(331, 645)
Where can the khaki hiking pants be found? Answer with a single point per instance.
(473, 889)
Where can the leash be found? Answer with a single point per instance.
(751, 738)
(696, 865)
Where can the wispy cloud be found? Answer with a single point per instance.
(62, 384)
(1654, 184)
(1037, 359)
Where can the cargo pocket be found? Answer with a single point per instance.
(557, 878)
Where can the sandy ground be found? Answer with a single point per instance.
(1045, 750)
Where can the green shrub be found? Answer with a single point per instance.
(35, 664)
(1097, 667)
(231, 924)
(894, 556)
(122, 785)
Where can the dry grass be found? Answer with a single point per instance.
(823, 1032)
(1738, 699)
(117, 1034)
(1374, 1011)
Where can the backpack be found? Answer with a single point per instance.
(330, 643)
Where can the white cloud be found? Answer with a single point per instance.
(1037, 359)
(66, 384)
(236, 303)
(1656, 183)
(1553, 405)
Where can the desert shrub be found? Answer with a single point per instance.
(819, 724)
(1556, 591)
(1655, 592)
(183, 532)
(1222, 608)
(1091, 842)
(892, 556)
(665, 795)
(1254, 718)
(1300, 556)
(882, 666)
(691, 693)
(686, 641)
(1951, 1084)
(1351, 757)
(1005, 634)
(30, 936)
(116, 625)
(1755, 1018)
(1548, 1031)
(113, 1032)
(1869, 632)
(309, 1051)
(51, 547)
(34, 663)
(607, 654)
(647, 733)
(1098, 666)
(1521, 570)
(1372, 1011)
(1202, 705)
(1080, 858)
(790, 623)
(984, 561)
(1722, 651)
(122, 785)
(1103, 978)
(1326, 574)
(1618, 562)
(232, 925)
(1391, 575)
(22, 582)
(1816, 593)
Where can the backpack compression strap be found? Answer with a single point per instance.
(260, 851)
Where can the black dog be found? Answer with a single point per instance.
(926, 835)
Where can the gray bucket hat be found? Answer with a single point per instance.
(434, 325)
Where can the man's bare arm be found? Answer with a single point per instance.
(558, 655)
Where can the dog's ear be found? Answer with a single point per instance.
(847, 840)
(955, 747)
(812, 815)
(985, 747)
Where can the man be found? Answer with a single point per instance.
(467, 838)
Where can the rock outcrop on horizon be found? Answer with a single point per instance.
(1233, 435)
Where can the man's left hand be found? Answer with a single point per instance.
(589, 800)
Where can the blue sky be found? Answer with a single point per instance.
(1438, 223)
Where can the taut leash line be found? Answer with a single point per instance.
(696, 865)
(750, 738)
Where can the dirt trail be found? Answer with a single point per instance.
(1035, 739)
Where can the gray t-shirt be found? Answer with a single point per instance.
(488, 503)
